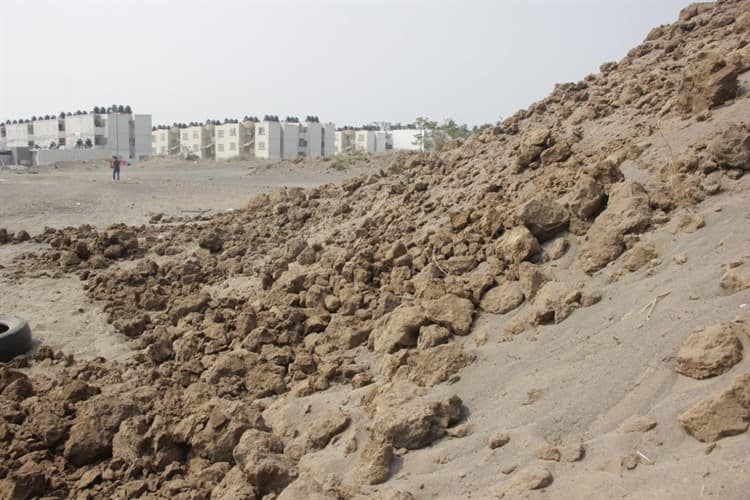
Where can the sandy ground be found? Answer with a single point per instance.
(56, 306)
(84, 193)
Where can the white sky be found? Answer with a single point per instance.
(349, 61)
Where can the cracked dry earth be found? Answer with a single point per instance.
(556, 307)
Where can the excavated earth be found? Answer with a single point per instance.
(556, 307)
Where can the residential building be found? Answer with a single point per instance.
(404, 139)
(328, 139)
(89, 129)
(247, 139)
(268, 140)
(65, 137)
(381, 141)
(364, 141)
(234, 140)
(165, 141)
(344, 141)
(311, 139)
(3, 138)
(19, 135)
(118, 134)
(197, 140)
(49, 133)
(290, 139)
(140, 137)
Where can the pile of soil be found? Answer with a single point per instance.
(322, 342)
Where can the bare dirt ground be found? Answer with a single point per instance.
(556, 307)
(83, 193)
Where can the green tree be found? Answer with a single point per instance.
(425, 138)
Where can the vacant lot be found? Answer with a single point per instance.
(83, 193)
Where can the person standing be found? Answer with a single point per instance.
(115, 168)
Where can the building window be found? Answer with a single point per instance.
(261, 131)
(163, 149)
(220, 133)
(232, 146)
(261, 146)
(233, 131)
(221, 148)
(195, 148)
(163, 137)
(195, 134)
(153, 138)
(360, 138)
(185, 136)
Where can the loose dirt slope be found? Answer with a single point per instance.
(555, 308)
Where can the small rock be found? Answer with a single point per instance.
(724, 414)
(498, 440)
(574, 453)
(709, 352)
(690, 222)
(533, 478)
(548, 453)
(638, 423)
(502, 299)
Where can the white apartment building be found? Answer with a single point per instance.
(119, 134)
(64, 139)
(328, 140)
(364, 141)
(89, 128)
(404, 139)
(311, 140)
(381, 141)
(290, 133)
(234, 140)
(140, 137)
(197, 140)
(49, 133)
(165, 141)
(19, 135)
(344, 141)
(268, 140)
(317, 139)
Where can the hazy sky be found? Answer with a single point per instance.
(349, 61)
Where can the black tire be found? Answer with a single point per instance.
(15, 337)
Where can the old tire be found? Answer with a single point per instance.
(15, 337)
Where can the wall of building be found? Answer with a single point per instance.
(84, 127)
(380, 141)
(311, 140)
(268, 140)
(47, 132)
(191, 141)
(290, 140)
(227, 141)
(17, 135)
(344, 143)
(247, 140)
(141, 137)
(403, 140)
(118, 135)
(165, 142)
(328, 139)
(50, 156)
(364, 141)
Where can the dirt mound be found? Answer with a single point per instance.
(359, 307)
